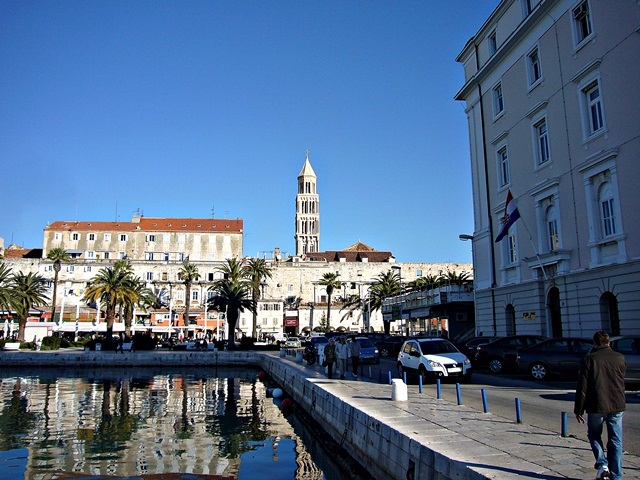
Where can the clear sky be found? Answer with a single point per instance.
(184, 108)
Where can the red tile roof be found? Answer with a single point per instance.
(148, 224)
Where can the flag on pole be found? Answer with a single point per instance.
(511, 214)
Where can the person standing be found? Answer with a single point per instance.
(342, 349)
(355, 349)
(330, 356)
(600, 392)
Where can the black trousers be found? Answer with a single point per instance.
(355, 363)
(330, 369)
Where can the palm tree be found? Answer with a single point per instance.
(189, 274)
(5, 290)
(27, 291)
(231, 295)
(57, 255)
(140, 296)
(387, 284)
(454, 278)
(258, 271)
(111, 287)
(331, 282)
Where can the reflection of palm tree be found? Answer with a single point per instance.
(330, 281)
(185, 429)
(15, 420)
(57, 255)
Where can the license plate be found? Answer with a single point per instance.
(454, 369)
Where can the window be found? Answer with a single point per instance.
(492, 43)
(541, 135)
(594, 107)
(151, 238)
(498, 103)
(122, 237)
(91, 255)
(91, 237)
(106, 255)
(87, 268)
(166, 257)
(553, 238)
(70, 268)
(181, 238)
(503, 166)
(194, 295)
(180, 257)
(149, 276)
(513, 255)
(107, 237)
(149, 256)
(607, 212)
(533, 66)
(529, 5)
(122, 255)
(581, 22)
(75, 236)
(210, 277)
(165, 276)
(56, 236)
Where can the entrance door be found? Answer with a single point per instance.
(553, 306)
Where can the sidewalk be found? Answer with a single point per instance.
(483, 444)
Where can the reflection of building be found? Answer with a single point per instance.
(127, 426)
(551, 98)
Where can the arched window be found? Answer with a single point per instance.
(607, 210)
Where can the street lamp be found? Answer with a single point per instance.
(56, 268)
(399, 268)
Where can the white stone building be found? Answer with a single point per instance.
(552, 103)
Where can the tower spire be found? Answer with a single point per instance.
(307, 235)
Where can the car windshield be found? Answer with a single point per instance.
(365, 342)
(434, 347)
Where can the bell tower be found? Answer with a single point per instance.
(307, 235)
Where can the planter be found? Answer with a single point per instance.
(12, 346)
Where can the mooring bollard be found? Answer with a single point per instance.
(404, 377)
(389, 377)
(564, 429)
(438, 389)
(399, 391)
(370, 376)
(420, 383)
(485, 405)
(518, 411)
(458, 394)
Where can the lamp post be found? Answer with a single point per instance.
(399, 269)
(56, 268)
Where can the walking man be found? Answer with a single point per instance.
(355, 349)
(600, 392)
(342, 349)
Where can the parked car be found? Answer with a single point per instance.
(432, 358)
(554, 356)
(390, 346)
(293, 342)
(630, 348)
(368, 351)
(470, 347)
(501, 354)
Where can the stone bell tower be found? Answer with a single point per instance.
(307, 235)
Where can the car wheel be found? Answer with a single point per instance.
(538, 371)
(423, 373)
(496, 365)
(384, 352)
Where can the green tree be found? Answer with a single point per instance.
(5, 290)
(139, 296)
(111, 286)
(387, 284)
(330, 281)
(231, 294)
(57, 255)
(257, 271)
(27, 291)
(454, 278)
(188, 273)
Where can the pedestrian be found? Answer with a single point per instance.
(600, 392)
(119, 347)
(355, 350)
(342, 350)
(330, 356)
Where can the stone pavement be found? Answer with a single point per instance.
(478, 445)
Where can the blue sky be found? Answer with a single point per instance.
(181, 108)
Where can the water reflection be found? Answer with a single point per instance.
(132, 423)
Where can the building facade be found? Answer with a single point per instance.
(552, 106)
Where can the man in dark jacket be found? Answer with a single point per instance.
(600, 392)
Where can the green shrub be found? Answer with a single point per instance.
(51, 343)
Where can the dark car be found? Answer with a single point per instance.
(630, 348)
(560, 356)
(389, 347)
(470, 347)
(501, 354)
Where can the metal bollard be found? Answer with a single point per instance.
(389, 377)
(458, 394)
(404, 377)
(485, 405)
(564, 428)
(518, 411)
(420, 383)
(438, 389)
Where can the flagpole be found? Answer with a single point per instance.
(544, 273)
